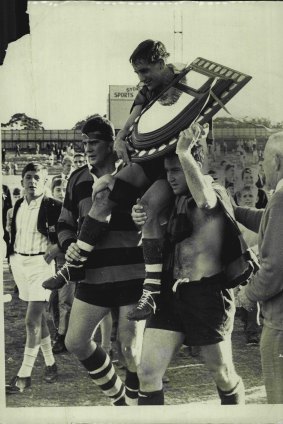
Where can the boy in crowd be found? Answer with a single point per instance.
(247, 196)
(33, 246)
(79, 160)
(60, 302)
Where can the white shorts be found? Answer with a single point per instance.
(29, 272)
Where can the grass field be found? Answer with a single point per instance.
(190, 385)
(189, 380)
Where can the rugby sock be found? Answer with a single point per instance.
(152, 252)
(46, 348)
(151, 398)
(30, 355)
(90, 233)
(132, 388)
(235, 396)
(102, 372)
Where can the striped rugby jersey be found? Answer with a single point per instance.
(117, 256)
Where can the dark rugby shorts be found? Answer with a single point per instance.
(202, 310)
(110, 295)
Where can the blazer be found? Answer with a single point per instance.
(47, 220)
(267, 285)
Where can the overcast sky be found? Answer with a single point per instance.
(62, 71)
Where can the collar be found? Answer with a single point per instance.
(35, 203)
(279, 185)
(65, 177)
(118, 166)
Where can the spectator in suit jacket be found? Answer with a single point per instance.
(267, 285)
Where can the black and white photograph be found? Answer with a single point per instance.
(142, 199)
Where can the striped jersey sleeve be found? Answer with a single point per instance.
(76, 205)
(117, 256)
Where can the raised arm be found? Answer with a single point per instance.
(199, 185)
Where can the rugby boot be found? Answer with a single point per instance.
(17, 385)
(50, 373)
(68, 272)
(146, 305)
(59, 344)
(120, 402)
(252, 339)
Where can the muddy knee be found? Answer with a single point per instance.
(129, 354)
(146, 374)
(32, 327)
(102, 206)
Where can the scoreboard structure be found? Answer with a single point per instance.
(121, 98)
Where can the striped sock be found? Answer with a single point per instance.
(152, 251)
(151, 398)
(132, 388)
(90, 232)
(30, 355)
(102, 372)
(46, 349)
(235, 396)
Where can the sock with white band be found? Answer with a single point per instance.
(151, 398)
(102, 372)
(153, 257)
(46, 348)
(132, 388)
(30, 355)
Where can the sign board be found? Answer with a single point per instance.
(121, 98)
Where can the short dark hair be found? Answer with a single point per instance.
(149, 50)
(16, 191)
(34, 166)
(100, 124)
(229, 166)
(246, 171)
(56, 182)
(81, 155)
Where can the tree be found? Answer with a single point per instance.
(80, 124)
(21, 121)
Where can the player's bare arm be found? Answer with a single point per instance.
(199, 186)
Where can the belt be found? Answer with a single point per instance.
(30, 254)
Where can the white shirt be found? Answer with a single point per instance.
(28, 239)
